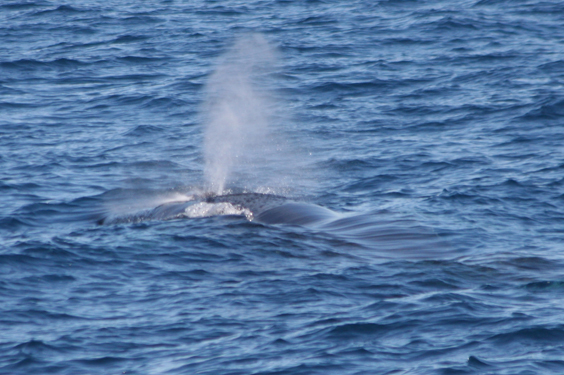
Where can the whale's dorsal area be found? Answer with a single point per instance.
(298, 213)
(254, 202)
(263, 208)
(275, 209)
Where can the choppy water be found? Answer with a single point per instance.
(431, 129)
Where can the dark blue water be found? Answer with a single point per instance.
(431, 130)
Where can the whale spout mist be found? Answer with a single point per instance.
(239, 144)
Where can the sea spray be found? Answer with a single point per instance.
(242, 144)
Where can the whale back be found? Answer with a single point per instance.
(262, 208)
(295, 213)
(254, 202)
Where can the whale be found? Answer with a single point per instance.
(389, 234)
(256, 207)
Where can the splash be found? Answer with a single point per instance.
(204, 209)
(240, 145)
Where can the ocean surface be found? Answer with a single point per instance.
(420, 145)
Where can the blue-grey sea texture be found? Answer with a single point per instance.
(433, 129)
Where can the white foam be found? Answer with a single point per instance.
(204, 209)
